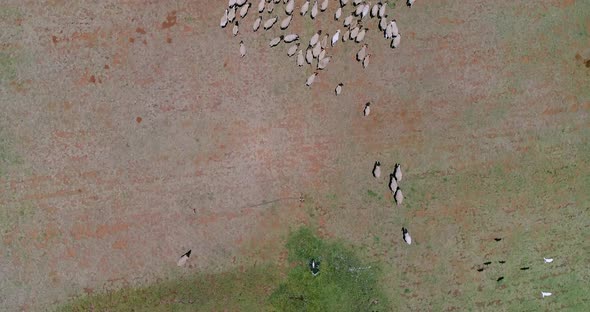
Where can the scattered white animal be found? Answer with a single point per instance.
(361, 35)
(407, 237)
(236, 29)
(338, 14)
(366, 61)
(231, 14)
(377, 170)
(223, 21)
(293, 49)
(275, 41)
(398, 172)
(375, 9)
(366, 9)
(345, 35)
(314, 10)
(354, 32)
(322, 63)
(231, 3)
(338, 89)
(286, 22)
(343, 2)
(240, 2)
(244, 10)
(311, 79)
(315, 38)
(399, 196)
(322, 55)
(382, 10)
(348, 20)
(300, 59)
(356, 2)
(324, 5)
(261, 6)
(548, 260)
(383, 23)
(394, 29)
(335, 37)
(316, 50)
(360, 55)
(410, 3)
(359, 10)
(304, 8)
(257, 23)
(271, 21)
(242, 49)
(291, 37)
(545, 294)
(309, 56)
(392, 184)
(183, 259)
(269, 7)
(324, 42)
(289, 7)
(367, 109)
(396, 41)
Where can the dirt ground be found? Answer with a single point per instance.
(132, 131)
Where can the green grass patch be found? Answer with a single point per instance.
(345, 283)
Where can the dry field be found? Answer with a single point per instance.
(132, 131)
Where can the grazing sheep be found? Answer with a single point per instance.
(311, 79)
(410, 3)
(300, 59)
(314, 10)
(244, 10)
(377, 170)
(396, 41)
(338, 14)
(270, 22)
(392, 184)
(322, 63)
(367, 109)
(399, 196)
(397, 171)
(338, 89)
(545, 294)
(304, 8)
(366, 60)
(286, 22)
(309, 56)
(406, 236)
(293, 49)
(360, 55)
(236, 29)
(257, 23)
(223, 21)
(315, 38)
(261, 6)
(324, 5)
(275, 41)
(291, 37)
(289, 7)
(184, 258)
(336, 37)
(242, 49)
(361, 35)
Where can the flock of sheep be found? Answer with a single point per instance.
(316, 51)
(320, 42)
